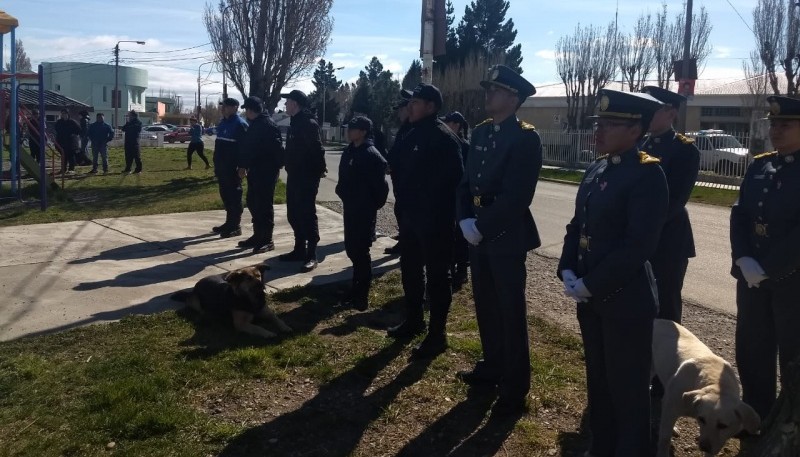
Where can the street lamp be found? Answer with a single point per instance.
(198, 86)
(325, 95)
(117, 97)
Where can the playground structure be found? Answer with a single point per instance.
(14, 117)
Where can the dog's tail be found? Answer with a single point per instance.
(181, 296)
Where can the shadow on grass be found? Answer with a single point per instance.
(576, 442)
(334, 421)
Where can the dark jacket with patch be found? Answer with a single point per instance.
(765, 220)
(426, 169)
(304, 152)
(132, 129)
(67, 133)
(502, 172)
(227, 147)
(261, 148)
(362, 178)
(680, 160)
(620, 209)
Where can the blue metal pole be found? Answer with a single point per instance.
(14, 149)
(2, 111)
(42, 142)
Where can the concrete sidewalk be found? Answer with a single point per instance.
(58, 276)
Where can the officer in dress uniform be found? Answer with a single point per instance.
(494, 198)
(680, 160)
(401, 108)
(426, 169)
(620, 209)
(458, 270)
(262, 156)
(363, 189)
(230, 133)
(765, 238)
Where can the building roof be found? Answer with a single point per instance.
(52, 100)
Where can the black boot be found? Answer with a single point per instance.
(310, 259)
(433, 345)
(408, 329)
(250, 242)
(221, 228)
(359, 296)
(298, 254)
(231, 231)
(263, 246)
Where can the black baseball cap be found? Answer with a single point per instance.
(230, 102)
(429, 93)
(297, 95)
(254, 104)
(360, 123)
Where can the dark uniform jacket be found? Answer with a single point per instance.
(100, 133)
(304, 152)
(501, 175)
(619, 212)
(67, 131)
(426, 169)
(362, 178)
(464, 151)
(680, 160)
(230, 134)
(261, 149)
(765, 220)
(132, 129)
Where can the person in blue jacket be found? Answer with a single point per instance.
(227, 169)
(196, 144)
(100, 134)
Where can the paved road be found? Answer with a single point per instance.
(708, 282)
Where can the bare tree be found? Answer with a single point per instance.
(637, 54)
(776, 25)
(757, 81)
(668, 40)
(23, 62)
(586, 62)
(265, 44)
(460, 84)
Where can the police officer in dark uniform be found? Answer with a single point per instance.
(460, 265)
(765, 237)
(680, 160)
(230, 133)
(426, 169)
(494, 216)
(305, 165)
(363, 189)
(401, 108)
(261, 154)
(620, 209)
(133, 151)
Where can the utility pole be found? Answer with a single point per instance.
(117, 98)
(198, 88)
(427, 40)
(687, 54)
(325, 95)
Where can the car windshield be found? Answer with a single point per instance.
(724, 142)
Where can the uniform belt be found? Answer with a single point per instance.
(761, 230)
(482, 200)
(230, 140)
(585, 242)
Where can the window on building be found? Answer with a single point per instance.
(721, 111)
(58, 86)
(105, 94)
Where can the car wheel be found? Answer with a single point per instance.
(183, 141)
(170, 141)
(724, 168)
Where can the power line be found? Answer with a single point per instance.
(740, 17)
(168, 51)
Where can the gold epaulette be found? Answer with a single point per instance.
(766, 154)
(601, 158)
(487, 121)
(683, 138)
(647, 158)
(526, 126)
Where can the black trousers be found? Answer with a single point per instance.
(460, 253)
(230, 190)
(358, 232)
(669, 273)
(68, 160)
(301, 199)
(618, 352)
(197, 146)
(498, 286)
(133, 154)
(260, 201)
(425, 258)
(35, 149)
(767, 329)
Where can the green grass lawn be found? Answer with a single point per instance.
(163, 187)
(172, 384)
(700, 194)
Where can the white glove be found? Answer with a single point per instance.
(569, 277)
(577, 290)
(470, 231)
(752, 271)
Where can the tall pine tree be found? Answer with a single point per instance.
(325, 82)
(23, 62)
(413, 75)
(375, 94)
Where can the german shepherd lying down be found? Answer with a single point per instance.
(239, 294)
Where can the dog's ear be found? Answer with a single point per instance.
(231, 275)
(751, 421)
(263, 268)
(690, 401)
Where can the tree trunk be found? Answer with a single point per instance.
(781, 436)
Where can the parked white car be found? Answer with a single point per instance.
(720, 152)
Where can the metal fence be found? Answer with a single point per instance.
(724, 156)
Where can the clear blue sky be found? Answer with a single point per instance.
(86, 30)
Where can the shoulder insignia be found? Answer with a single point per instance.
(601, 158)
(526, 126)
(647, 158)
(684, 139)
(766, 154)
(487, 121)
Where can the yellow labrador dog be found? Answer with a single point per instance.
(239, 295)
(699, 384)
